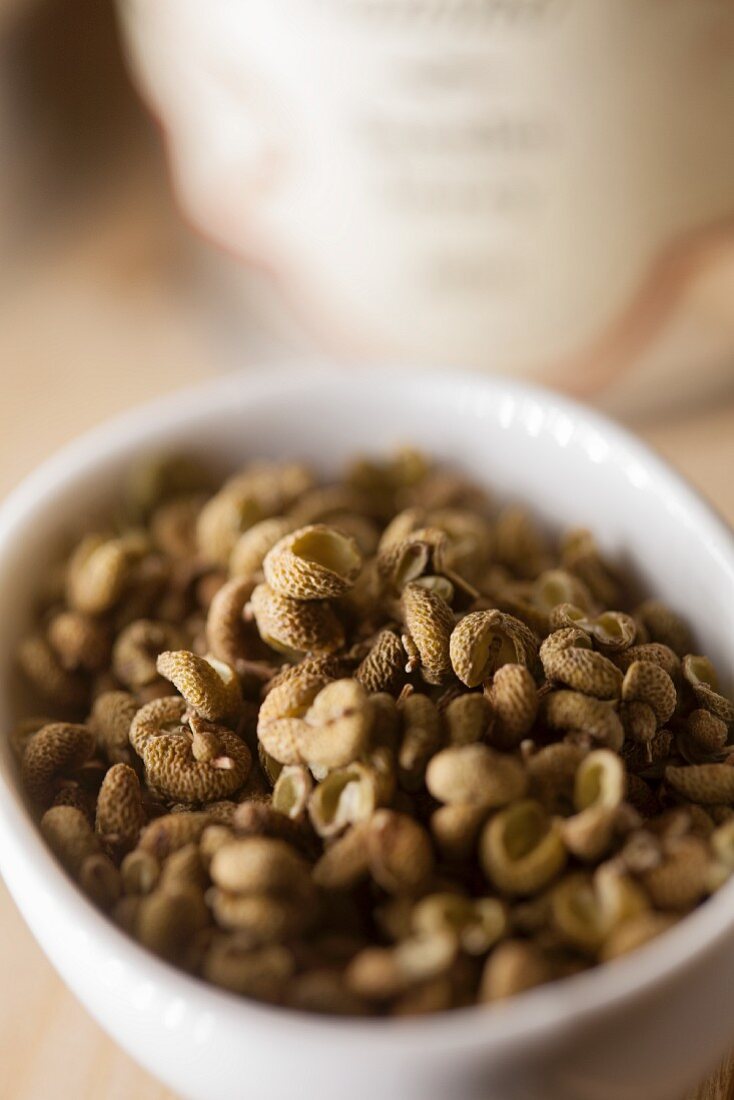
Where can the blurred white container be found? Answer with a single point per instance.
(541, 187)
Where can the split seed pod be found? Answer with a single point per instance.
(345, 797)
(477, 922)
(598, 792)
(120, 811)
(552, 773)
(701, 675)
(469, 540)
(455, 830)
(166, 922)
(483, 641)
(586, 910)
(210, 687)
(70, 836)
(226, 630)
(708, 784)
(292, 690)
(110, 721)
(571, 711)
(292, 791)
(682, 879)
(655, 653)
(260, 865)
(476, 775)
(234, 509)
(345, 862)
(186, 758)
(203, 763)
(404, 560)
(295, 626)
(557, 586)
(53, 750)
(100, 880)
(568, 659)
(140, 872)
(402, 525)
(614, 631)
(167, 834)
(380, 973)
(576, 914)
(248, 555)
(639, 722)
(704, 738)
(513, 698)
(521, 849)
(97, 574)
(428, 624)
(399, 852)
(646, 683)
(383, 669)
(288, 701)
(173, 525)
(313, 563)
(337, 725)
(260, 919)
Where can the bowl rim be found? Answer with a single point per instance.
(551, 1008)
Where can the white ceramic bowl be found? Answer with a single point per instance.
(643, 1028)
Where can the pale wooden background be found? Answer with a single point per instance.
(92, 322)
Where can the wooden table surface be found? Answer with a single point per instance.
(84, 337)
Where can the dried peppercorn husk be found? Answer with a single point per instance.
(120, 811)
(55, 750)
(476, 775)
(484, 641)
(568, 659)
(521, 849)
(513, 698)
(703, 739)
(383, 668)
(313, 563)
(293, 627)
(700, 673)
(428, 621)
(370, 747)
(209, 686)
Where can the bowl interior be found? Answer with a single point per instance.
(570, 466)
